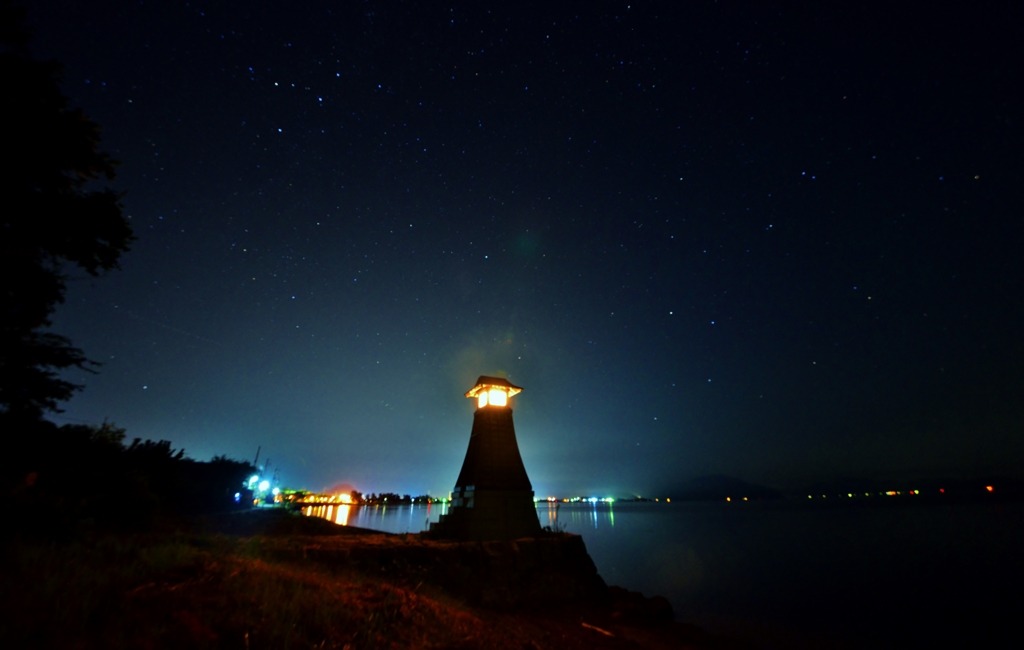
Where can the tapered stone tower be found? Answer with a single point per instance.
(493, 497)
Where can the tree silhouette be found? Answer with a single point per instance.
(51, 219)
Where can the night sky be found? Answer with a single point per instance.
(777, 242)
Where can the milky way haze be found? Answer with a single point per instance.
(733, 238)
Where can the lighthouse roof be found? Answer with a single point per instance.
(485, 383)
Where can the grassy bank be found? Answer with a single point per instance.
(209, 592)
(250, 581)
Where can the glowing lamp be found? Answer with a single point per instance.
(493, 392)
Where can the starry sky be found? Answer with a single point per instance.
(780, 242)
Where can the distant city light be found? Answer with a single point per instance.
(277, 491)
(990, 488)
(264, 486)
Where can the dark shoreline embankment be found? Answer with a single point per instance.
(552, 577)
(272, 579)
(526, 574)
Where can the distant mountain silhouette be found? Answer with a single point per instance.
(717, 487)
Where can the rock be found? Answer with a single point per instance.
(635, 607)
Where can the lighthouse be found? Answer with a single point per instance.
(493, 497)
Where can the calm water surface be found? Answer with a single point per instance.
(792, 575)
(389, 519)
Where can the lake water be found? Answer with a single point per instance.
(788, 574)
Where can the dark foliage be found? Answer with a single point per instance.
(52, 219)
(59, 479)
(56, 218)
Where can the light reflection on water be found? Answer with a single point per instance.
(576, 517)
(388, 519)
(570, 517)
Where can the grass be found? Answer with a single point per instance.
(268, 581)
(211, 592)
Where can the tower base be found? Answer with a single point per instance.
(484, 515)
